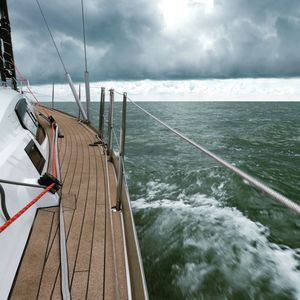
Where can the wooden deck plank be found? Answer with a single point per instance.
(85, 246)
(109, 273)
(50, 270)
(32, 265)
(56, 293)
(76, 228)
(96, 274)
(54, 231)
(68, 173)
(65, 159)
(118, 236)
(79, 288)
(97, 264)
(101, 200)
(87, 216)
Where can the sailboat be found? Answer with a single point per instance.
(66, 225)
(60, 233)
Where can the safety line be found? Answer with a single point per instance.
(251, 180)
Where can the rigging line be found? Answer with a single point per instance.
(124, 171)
(251, 180)
(7, 53)
(116, 138)
(84, 38)
(7, 43)
(49, 30)
(121, 94)
(120, 157)
(95, 110)
(23, 79)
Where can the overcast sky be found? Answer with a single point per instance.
(161, 40)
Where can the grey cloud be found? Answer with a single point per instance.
(127, 40)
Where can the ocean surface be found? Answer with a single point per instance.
(203, 232)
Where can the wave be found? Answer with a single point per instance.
(224, 254)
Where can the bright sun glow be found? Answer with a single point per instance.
(176, 12)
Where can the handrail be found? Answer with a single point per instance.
(251, 180)
(22, 184)
(2, 193)
(65, 289)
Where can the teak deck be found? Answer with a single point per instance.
(95, 247)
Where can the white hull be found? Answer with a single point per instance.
(15, 165)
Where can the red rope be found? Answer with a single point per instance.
(23, 79)
(25, 208)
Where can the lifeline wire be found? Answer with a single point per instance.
(254, 182)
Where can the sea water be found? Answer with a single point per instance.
(203, 232)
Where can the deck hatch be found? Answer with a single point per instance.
(35, 156)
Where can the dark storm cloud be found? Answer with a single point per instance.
(128, 40)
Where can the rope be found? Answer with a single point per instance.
(125, 174)
(25, 208)
(83, 30)
(120, 157)
(23, 79)
(119, 93)
(116, 138)
(94, 110)
(52, 38)
(254, 182)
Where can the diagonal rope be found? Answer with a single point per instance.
(84, 37)
(25, 208)
(23, 79)
(49, 30)
(251, 180)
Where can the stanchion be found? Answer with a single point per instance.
(121, 154)
(110, 123)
